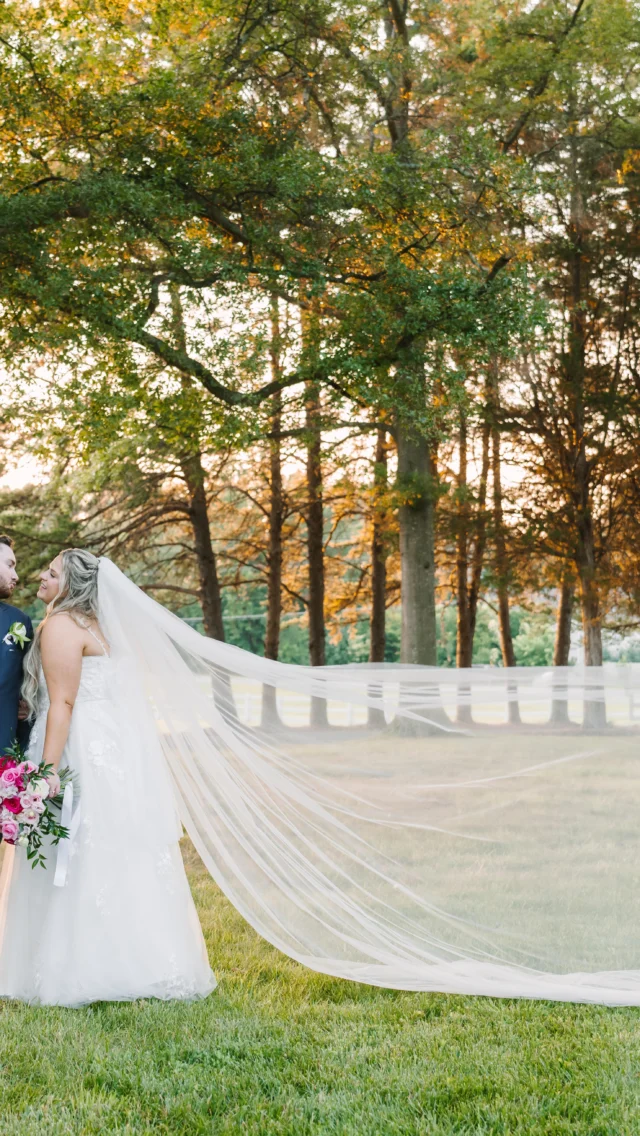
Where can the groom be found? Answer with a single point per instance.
(16, 633)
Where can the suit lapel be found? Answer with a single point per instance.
(5, 624)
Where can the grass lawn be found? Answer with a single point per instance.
(280, 1050)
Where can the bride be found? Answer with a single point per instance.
(123, 924)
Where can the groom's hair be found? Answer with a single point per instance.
(6, 540)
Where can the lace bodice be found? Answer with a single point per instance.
(94, 677)
(94, 681)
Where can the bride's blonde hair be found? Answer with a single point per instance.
(77, 595)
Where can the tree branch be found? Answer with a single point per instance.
(538, 88)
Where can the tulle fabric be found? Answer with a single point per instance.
(123, 926)
(414, 828)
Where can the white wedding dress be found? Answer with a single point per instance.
(123, 924)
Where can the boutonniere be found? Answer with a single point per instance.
(17, 636)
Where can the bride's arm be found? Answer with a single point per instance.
(61, 645)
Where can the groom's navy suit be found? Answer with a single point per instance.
(11, 656)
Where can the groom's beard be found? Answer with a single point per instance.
(5, 592)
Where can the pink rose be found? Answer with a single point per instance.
(13, 805)
(10, 776)
(31, 801)
(10, 831)
(29, 766)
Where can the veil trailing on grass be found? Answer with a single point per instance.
(416, 828)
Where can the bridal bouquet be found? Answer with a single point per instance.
(30, 802)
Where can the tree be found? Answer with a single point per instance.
(575, 403)
(217, 178)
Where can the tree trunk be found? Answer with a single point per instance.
(379, 555)
(575, 374)
(416, 513)
(590, 600)
(562, 645)
(276, 521)
(417, 557)
(315, 545)
(575, 366)
(480, 540)
(585, 552)
(378, 568)
(195, 477)
(595, 714)
(210, 596)
(464, 638)
(502, 573)
(468, 590)
(274, 555)
(417, 554)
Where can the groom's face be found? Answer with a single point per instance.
(8, 574)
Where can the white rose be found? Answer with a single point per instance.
(39, 786)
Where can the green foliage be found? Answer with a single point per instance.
(205, 180)
(41, 520)
(245, 612)
(533, 637)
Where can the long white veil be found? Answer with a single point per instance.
(416, 828)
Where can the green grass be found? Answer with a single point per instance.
(280, 1050)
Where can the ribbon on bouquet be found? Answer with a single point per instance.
(71, 822)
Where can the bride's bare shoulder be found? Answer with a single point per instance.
(61, 627)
